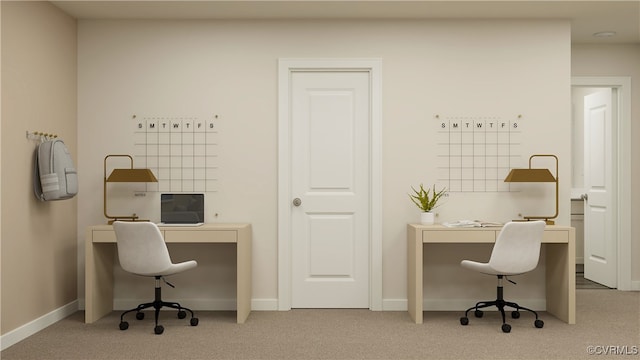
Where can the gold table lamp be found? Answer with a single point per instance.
(125, 175)
(536, 175)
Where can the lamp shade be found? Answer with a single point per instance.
(530, 175)
(539, 176)
(132, 175)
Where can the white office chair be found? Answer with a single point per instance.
(516, 251)
(142, 251)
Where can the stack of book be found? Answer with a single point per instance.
(472, 223)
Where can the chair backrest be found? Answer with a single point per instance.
(517, 248)
(141, 248)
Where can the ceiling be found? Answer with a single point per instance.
(587, 17)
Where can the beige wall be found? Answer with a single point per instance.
(236, 67)
(39, 241)
(619, 60)
(229, 68)
(38, 90)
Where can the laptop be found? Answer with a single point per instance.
(181, 209)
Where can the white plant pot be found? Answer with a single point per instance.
(427, 218)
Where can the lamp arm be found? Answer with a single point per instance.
(112, 218)
(122, 155)
(557, 187)
(557, 193)
(546, 155)
(104, 192)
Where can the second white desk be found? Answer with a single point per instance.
(558, 243)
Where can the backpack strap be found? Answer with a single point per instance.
(37, 186)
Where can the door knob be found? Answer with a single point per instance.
(584, 197)
(297, 202)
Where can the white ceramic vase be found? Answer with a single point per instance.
(427, 218)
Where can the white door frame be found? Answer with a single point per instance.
(622, 174)
(285, 68)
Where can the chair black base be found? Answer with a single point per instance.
(500, 303)
(158, 304)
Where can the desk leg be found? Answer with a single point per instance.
(414, 276)
(99, 259)
(561, 281)
(243, 253)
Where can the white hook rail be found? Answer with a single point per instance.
(41, 136)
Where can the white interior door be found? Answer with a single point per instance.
(330, 120)
(600, 257)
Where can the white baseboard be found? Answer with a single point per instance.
(193, 304)
(394, 305)
(454, 304)
(203, 304)
(464, 304)
(635, 285)
(264, 304)
(32, 327)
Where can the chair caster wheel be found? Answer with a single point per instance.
(464, 320)
(515, 314)
(159, 329)
(194, 321)
(538, 323)
(139, 315)
(182, 314)
(478, 313)
(124, 325)
(506, 328)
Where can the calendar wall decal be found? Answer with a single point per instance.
(181, 151)
(475, 153)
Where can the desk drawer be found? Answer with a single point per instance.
(458, 236)
(106, 236)
(201, 236)
(555, 236)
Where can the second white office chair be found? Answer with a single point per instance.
(516, 251)
(142, 251)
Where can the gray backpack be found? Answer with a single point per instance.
(55, 177)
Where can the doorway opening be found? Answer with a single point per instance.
(618, 143)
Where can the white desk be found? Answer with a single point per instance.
(100, 254)
(558, 244)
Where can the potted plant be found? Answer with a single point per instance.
(426, 200)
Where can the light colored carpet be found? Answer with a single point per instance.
(604, 318)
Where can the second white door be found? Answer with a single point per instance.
(330, 157)
(600, 260)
